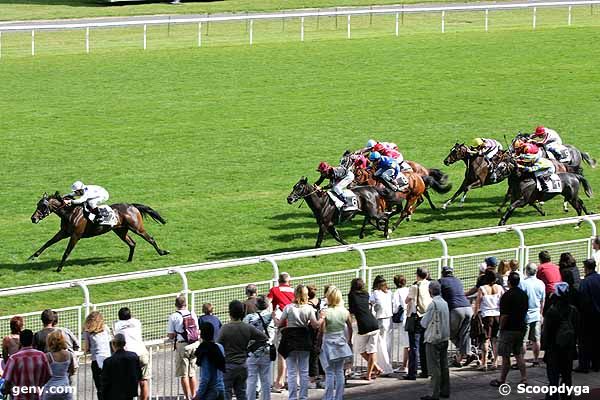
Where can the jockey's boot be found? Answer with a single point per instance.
(95, 216)
(390, 185)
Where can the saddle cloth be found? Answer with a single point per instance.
(351, 200)
(107, 216)
(552, 183)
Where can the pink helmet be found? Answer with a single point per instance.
(323, 167)
(540, 130)
(531, 148)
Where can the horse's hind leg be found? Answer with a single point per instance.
(122, 233)
(538, 208)
(431, 205)
(142, 232)
(336, 234)
(56, 238)
(361, 235)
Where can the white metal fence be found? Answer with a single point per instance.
(298, 20)
(153, 311)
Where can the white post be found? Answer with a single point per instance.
(534, 16)
(251, 29)
(145, 31)
(0, 44)
(302, 29)
(349, 26)
(32, 42)
(199, 34)
(397, 25)
(87, 40)
(570, 9)
(443, 21)
(487, 12)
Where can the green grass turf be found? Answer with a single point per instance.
(215, 138)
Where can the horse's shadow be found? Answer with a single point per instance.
(29, 266)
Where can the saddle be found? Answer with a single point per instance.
(549, 183)
(106, 216)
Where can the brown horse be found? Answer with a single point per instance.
(76, 226)
(438, 180)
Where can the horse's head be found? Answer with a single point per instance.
(46, 206)
(300, 190)
(458, 152)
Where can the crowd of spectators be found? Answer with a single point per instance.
(311, 340)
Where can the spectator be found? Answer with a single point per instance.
(513, 311)
(62, 366)
(97, 343)
(491, 262)
(39, 339)
(26, 368)
(236, 338)
(488, 306)
(569, 272)
(418, 300)
(296, 341)
(121, 372)
(210, 357)
(559, 339)
(536, 293)
(589, 288)
(70, 338)
(185, 347)
(503, 271)
(259, 362)
(368, 328)
(209, 317)
(473, 291)
(280, 296)
(461, 312)
(436, 322)
(131, 329)
(10, 343)
(381, 300)
(313, 363)
(596, 248)
(250, 303)
(336, 345)
(548, 272)
(399, 299)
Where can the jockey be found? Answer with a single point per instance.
(529, 153)
(488, 148)
(90, 195)
(372, 143)
(339, 177)
(388, 170)
(393, 152)
(518, 146)
(541, 168)
(551, 141)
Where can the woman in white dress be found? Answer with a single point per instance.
(399, 299)
(381, 300)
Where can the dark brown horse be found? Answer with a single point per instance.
(75, 226)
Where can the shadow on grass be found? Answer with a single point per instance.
(29, 266)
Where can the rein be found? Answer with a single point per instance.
(306, 195)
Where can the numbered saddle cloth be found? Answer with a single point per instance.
(107, 216)
(550, 183)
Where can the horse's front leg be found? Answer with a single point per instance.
(361, 235)
(507, 196)
(473, 185)
(72, 242)
(461, 189)
(320, 236)
(60, 235)
(519, 203)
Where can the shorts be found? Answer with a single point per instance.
(146, 366)
(491, 325)
(510, 343)
(533, 332)
(185, 359)
(367, 343)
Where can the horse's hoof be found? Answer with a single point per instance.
(444, 206)
(165, 252)
(461, 204)
(59, 269)
(32, 258)
(361, 236)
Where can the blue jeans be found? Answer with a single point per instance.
(259, 368)
(235, 381)
(334, 380)
(417, 348)
(297, 366)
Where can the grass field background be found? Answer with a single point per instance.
(215, 138)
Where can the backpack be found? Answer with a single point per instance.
(190, 328)
(565, 335)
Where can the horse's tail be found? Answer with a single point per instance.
(439, 187)
(586, 185)
(149, 211)
(588, 159)
(438, 175)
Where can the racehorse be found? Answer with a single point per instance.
(438, 178)
(524, 190)
(327, 213)
(477, 173)
(75, 225)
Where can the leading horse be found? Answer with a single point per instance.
(75, 226)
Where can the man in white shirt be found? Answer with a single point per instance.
(596, 247)
(185, 357)
(131, 329)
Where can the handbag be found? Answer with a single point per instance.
(477, 329)
(272, 349)
(410, 325)
(398, 316)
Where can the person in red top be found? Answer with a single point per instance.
(280, 297)
(27, 368)
(548, 272)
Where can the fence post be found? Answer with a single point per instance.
(487, 12)
(0, 44)
(199, 34)
(522, 262)
(593, 236)
(302, 29)
(184, 281)
(569, 20)
(444, 257)
(87, 40)
(363, 260)
(443, 21)
(251, 30)
(349, 26)
(397, 24)
(86, 295)
(33, 42)
(534, 17)
(145, 31)
(275, 268)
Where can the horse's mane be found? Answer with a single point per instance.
(56, 195)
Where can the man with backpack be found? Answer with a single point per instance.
(183, 329)
(559, 338)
